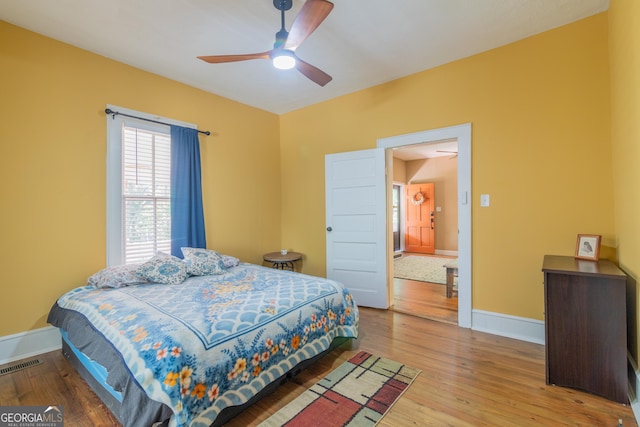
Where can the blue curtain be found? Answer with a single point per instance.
(187, 214)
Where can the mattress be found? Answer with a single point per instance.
(182, 354)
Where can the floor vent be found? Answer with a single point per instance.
(19, 366)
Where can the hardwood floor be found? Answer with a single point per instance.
(468, 378)
(427, 300)
(55, 382)
(423, 299)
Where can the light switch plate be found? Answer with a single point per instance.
(484, 200)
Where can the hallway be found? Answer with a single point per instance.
(423, 299)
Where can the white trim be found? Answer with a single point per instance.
(400, 214)
(114, 188)
(520, 328)
(635, 407)
(27, 344)
(446, 252)
(633, 392)
(461, 133)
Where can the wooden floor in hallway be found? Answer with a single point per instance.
(424, 299)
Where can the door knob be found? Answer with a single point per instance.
(329, 229)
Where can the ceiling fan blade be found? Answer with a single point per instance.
(217, 59)
(313, 73)
(311, 15)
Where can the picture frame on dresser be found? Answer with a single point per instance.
(588, 247)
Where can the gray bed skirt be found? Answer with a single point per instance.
(136, 409)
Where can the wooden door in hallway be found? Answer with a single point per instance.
(419, 231)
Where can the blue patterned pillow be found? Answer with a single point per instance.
(169, 270)
(203, 262)
(230, 261)
(116, 277)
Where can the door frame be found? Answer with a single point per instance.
(462, 133)
(400, 186)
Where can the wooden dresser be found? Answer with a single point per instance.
(585, 326)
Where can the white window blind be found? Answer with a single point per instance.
(146, 168)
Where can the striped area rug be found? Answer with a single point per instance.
(357, 393)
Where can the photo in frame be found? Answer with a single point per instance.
(588, 247)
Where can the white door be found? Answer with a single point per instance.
(356, 224)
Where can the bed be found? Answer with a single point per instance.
(196, 352)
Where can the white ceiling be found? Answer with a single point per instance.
(448, 148)
(362, 43)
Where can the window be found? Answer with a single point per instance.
(146, 204)
(138, 187)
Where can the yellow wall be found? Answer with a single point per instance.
(624, 48)
(399, 171)
(52, 166)
(541, 148)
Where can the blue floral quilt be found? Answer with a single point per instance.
(216, 341)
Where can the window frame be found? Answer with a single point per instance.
(114, 211)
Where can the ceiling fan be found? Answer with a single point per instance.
(283, 56)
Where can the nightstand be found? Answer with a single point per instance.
(283, 262)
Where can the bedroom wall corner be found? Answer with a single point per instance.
(624, 59)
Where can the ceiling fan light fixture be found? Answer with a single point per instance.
(283, 59)
(283, 56)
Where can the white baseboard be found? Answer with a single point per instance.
(634, 388)
(445, 252)
(635, 407)
(27, 344)
(520, 328)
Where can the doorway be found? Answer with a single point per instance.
(461, 134)
(425, 176)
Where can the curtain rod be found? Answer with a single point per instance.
(116, 113)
